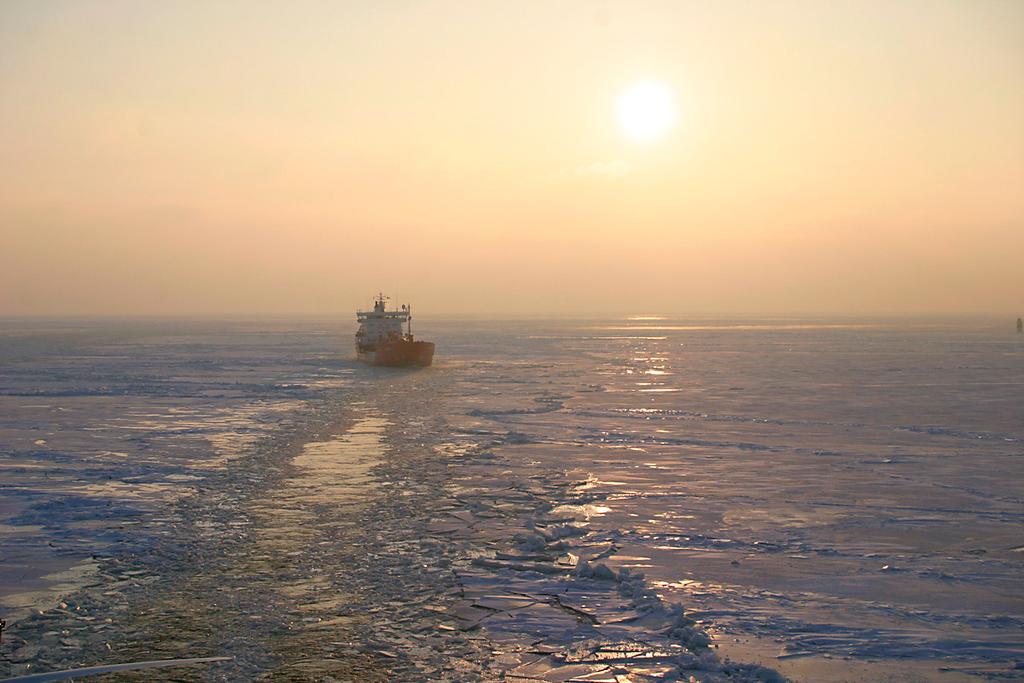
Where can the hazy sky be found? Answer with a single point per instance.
(220, 157)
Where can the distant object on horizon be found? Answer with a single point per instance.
(380, 340)
(1020, 325)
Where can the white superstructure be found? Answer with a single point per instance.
(380, 325)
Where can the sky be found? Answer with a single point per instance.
(233, 158)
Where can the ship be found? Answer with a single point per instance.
(381, 340)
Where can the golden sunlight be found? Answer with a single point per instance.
(646, 111)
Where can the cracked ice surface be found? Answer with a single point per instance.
(550, 502)
(537, 588)
(835, 503)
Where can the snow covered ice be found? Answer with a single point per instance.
(595, 501)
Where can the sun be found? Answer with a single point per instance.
(646, 111)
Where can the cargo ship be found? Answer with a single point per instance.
(380, 339)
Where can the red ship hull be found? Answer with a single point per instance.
(404, 354)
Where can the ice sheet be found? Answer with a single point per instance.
(551, 501)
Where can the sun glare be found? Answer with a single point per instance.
(646, 111)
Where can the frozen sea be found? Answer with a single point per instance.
(606, 500)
